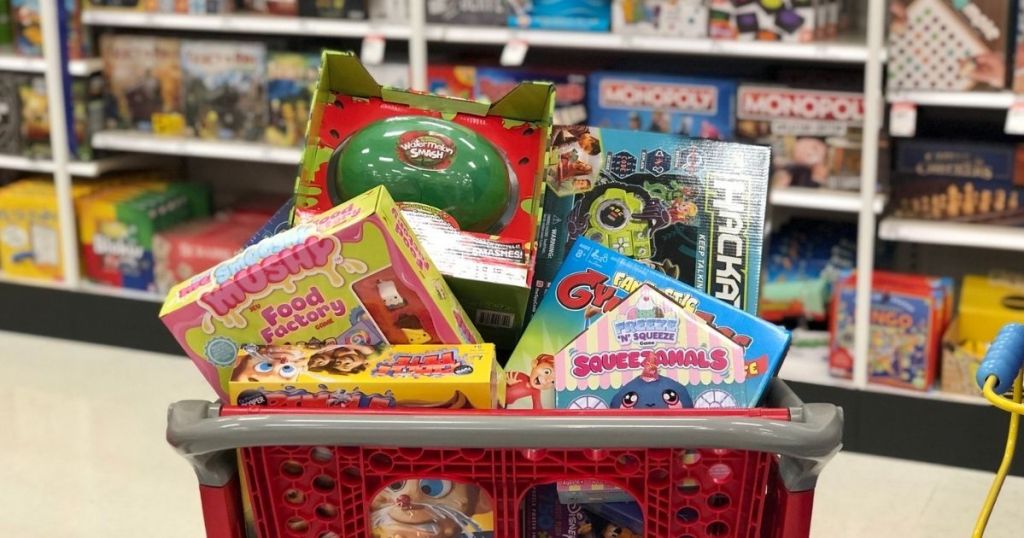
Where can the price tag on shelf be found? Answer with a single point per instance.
(1015, 117)
(372, 52)
(514, 52)
(903, 119)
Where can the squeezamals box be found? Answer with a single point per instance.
(689, 106)
(815, 135)
(361, 376)
(355, 273)
(592, 282)
(679, 205)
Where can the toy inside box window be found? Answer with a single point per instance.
(469, 175)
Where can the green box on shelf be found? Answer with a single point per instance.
(481, 164)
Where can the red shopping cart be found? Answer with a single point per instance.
(698, 473)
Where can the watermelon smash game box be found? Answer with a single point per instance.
(692, 209)
(352, 275)
(594, 281)
(467, 174)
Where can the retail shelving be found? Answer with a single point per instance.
(27, 64)
(92, 168)
(823, 199)
(36, 283)
(123, 293)
(244, 24)
(952, 233)
(995, 100)
(193, 147)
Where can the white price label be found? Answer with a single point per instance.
(514, 52)
(903, 119)
(1015, 118)
(372, 52)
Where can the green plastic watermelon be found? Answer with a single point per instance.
(430, 161)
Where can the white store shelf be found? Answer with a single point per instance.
(193, 147)
(995, 100)
(822, 199)
(26, 64)
(75, 168)
(952, 233)
(33, 282)
(123, 293)
(826, 51)
(243, 24)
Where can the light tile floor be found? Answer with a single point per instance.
(83, 452)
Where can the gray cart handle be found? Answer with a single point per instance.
(804, 443)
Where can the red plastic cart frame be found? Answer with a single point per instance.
(312, 474)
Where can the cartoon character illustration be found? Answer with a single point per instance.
(389, 294)
(272, 363)
(430, 508)
(579, 155)
(808, 167)
(652, 391)
(412, 328)
(541, 377)
(610, 530)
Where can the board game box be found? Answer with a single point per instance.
(681, 18)
(815, 135)
(451, 80)
(10, 115)
(333, 9)
(781, 20)
(679, 205)
(698, 107)
(571, 15)
(468, 12)
(958, 181)
(144, 78)
(492, 83)
(291, 78)
(953, 45)
(225, 89)
(1018, 53)
(592, 282)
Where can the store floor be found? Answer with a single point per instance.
(82, 441)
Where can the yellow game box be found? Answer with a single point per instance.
(321, 375)
(988, 303)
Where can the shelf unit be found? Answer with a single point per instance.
(26, 64)
(952, 233)
(866, 51)
(191, 147)
(94, 168)
(85, 287)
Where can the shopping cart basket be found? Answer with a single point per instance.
(311, 473)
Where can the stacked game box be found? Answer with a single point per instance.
(949, 45)
(224, 86)
(144, 78)
(572, 15)
(334, 9)
(468, 12)
(291, 78)
(492, 83)
(815, 135)
(34, 120)
(681, 18)
(688, 106)
(10, 116)
(679, 205)
(958, 181)
(782, 20)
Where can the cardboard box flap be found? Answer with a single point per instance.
(528, 101)
(344, 73)
(444, 105)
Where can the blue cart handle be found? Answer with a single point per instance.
(1004, 358)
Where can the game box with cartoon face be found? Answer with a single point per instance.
(361, 376)
(780, 20)
(949, 45)
(591, 284)
(815, 136)
(689, 106)
(355, 274)
(691, 209)
(469, 176)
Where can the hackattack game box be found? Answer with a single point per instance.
(692, 209)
